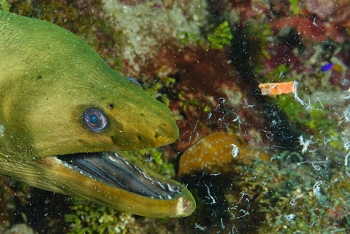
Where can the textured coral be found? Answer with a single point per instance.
(280, 196)
(148, 25)
(216, 153)
(337, 10)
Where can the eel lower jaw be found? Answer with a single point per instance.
(114, 180)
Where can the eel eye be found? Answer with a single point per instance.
(95, 120)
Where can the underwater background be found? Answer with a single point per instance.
(263, 90)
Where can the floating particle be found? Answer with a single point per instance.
(281, 88)
(337, 67)
(278, 88)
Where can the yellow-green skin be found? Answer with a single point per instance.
(48, 78)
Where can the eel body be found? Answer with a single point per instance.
(64, 114)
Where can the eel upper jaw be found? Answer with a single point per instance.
(120, 182)
(114, 170)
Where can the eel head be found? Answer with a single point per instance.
(64, 115)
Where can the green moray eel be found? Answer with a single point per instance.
(64, 114)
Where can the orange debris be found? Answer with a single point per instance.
(218, 152)
(278, 88)
(337, 67)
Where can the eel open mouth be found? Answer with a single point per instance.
(114, 170)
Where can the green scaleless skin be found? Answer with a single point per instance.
(48, 79)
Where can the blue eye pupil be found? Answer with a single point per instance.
(93, 119)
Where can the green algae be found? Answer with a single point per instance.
(312, 119)
(158, 88)
(188, 38)
(298, 197)
(155, 160)
(4, 5)
(282, 71)
(220, 36)
(295, 6)
(92, 218)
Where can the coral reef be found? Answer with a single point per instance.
(205, 60)
(296, 46)
(147, 26)
(281, 196)
(287, 196)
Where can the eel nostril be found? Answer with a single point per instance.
(160, 132)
